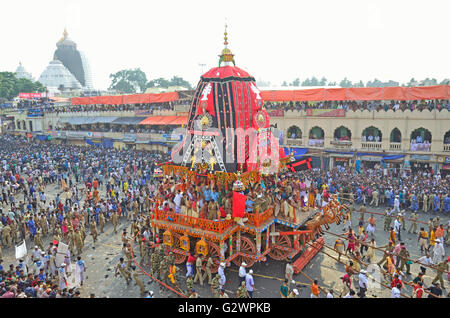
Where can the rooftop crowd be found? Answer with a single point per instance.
(419, 105)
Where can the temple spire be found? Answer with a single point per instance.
(226, 55)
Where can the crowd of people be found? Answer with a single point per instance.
(108, 186)
(29, 213)
(415, 105)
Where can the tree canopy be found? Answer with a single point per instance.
(11, 86)
(164, 83)
(129, 81)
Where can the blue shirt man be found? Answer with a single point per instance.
(249, 283)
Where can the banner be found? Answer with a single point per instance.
(21, 250)
(30, 95)
(239, 204)
(61, 254)
(326, 112)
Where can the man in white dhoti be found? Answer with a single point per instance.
(80, 269)
(62, 276)
(221, 273)
(438, 252)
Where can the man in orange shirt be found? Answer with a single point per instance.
(439, 232)
(315, 289)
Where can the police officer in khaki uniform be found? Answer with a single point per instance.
(101, 222)
(6, 232)
(122, 268)
(425, 203)
(198, 267)
(78, 241)
(138, 280)
(413, 226)
(440, 268)
(94, 232)
(208, 267)
(115, 221)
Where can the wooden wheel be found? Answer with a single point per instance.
(247, 247)
(179, 258)
(278, 253)
(214, 252)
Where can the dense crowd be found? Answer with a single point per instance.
(29, 213)
(102, 186)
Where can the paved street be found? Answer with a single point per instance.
(268, 276)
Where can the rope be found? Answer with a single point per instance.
(158, 281)
(345, 264)
(380, 249)
(365, 264)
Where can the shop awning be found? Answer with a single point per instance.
(165, 120)
(128, 120)
(87, 120)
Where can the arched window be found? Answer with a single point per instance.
(316, 133)
(294, 132)
(342, 133)
(396, 135)
(371, 134)
(421, 140)
(447, 138)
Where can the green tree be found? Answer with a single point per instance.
(332, 83)
(11, 86)
(296, 82)
(164, 83)
(128, 81)
(346, 83)
(284, 83)
(323, 81)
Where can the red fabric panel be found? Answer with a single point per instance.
(314, 94)
(238, 204)
(144, 98)
(94, 100)
(105, 100)
(364, 93)
(131, 99)
(428, 92)
(78, 101)
(153, 120)
(335, 94)
(394, 93)
(116, 100)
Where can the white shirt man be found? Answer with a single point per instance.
(397, 226)
(395, 292)
(362, 283)
(397, 204)
(242, 273)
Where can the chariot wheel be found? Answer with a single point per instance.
(278, 251)
(214, 252)
(247, 247)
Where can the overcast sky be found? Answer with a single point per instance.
(273, 40)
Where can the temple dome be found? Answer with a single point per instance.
(56, 74)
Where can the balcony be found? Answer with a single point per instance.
(447, 148)
(395, 146)
(372, 145)
(316, 142)
(293, 142)
(421, 146)
(341, 144)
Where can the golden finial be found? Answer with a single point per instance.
(226, 55)
(225, 33)
(65, 33)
